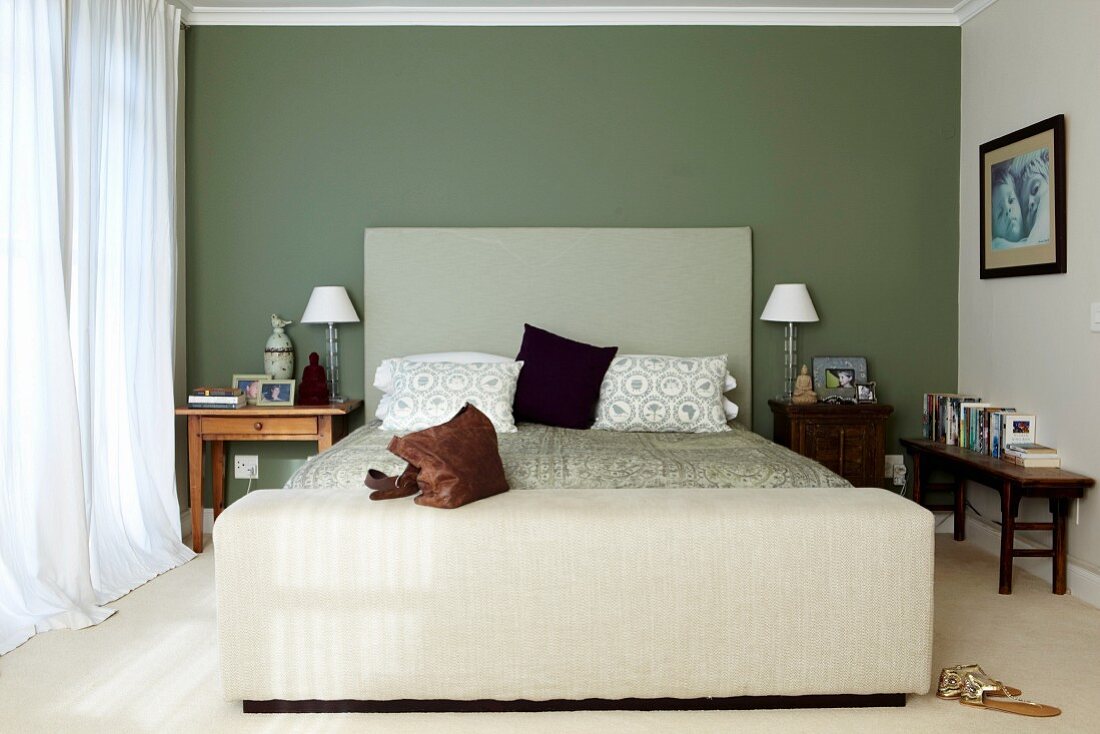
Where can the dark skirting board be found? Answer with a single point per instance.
(737, 703)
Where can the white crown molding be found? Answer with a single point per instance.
(531, 15)
(967, 9)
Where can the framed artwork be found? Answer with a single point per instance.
(276, 392)
(835, 378)
(250, 386)
(1023, 201)
(865, 393)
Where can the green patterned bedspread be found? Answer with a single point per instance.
(542, 457)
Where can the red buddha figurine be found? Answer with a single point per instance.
(313, 389)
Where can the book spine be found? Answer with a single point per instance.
(926, 419)
(995, 435)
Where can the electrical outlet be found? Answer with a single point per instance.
(899, 475)
(893, 460)
(246, 466)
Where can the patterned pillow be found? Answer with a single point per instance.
(427, 394)
(663, 394)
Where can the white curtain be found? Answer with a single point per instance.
(122, 143)
(88, 506)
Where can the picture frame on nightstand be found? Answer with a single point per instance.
(249, 384)
(835, 378)
(276, 392)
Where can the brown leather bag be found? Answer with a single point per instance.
(451, 465)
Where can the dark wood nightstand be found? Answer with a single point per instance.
(848, 439)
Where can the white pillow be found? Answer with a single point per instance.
(731, 408)
(383, 376)
(426, 394)
(730, 383)
(654, 393)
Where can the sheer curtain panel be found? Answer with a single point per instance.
(45, 581)
(122, 143)
(88, 506)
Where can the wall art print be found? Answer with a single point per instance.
(1023, 201)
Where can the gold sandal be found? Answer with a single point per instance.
(976, 688)
(951, 682)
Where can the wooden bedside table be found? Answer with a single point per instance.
(848, 439)
(325, 424)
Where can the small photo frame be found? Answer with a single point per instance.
(276, 392)
(865, 392)
(250, 386)
(837, 377)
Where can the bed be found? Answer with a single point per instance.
(642, 570)
(546, 457)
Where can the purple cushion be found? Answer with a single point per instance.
(559, 384)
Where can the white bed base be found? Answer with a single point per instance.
(575, 599)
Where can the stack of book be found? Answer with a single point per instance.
(1032, 455)
(216, 397)
(940, 421)
(964, 420)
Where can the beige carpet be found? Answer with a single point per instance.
(153, 668)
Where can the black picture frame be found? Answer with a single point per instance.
(1020, 165)
(866, 392)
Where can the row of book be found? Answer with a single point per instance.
(216, 397)
(995, 430)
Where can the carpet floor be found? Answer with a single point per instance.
(153, 667)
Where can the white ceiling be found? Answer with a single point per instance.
(582, 12)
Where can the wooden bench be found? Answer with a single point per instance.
(1013, 483)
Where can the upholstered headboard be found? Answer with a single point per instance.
(684, 292)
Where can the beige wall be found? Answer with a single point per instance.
(1026, 341)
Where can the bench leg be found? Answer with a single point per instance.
(960, 508)
(1059, 510)
(917, 489)
(1008, 532)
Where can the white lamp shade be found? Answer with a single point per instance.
(790, 303)
(329, 304)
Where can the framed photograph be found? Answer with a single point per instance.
(276, 392)
(1023, 201)
(865, 393)
(837, 377)
(250, 386)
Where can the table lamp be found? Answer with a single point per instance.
(329, 304)
(790, 303)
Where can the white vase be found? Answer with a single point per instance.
(279, 351)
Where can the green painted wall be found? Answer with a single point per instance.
(839, 146)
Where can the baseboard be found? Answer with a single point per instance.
(945, 522)
(207, 522)
(1081, 581)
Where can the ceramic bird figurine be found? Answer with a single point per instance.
(279, 351)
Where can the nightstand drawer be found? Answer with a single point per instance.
(260, 425)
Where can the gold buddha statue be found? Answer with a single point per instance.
(803, 388)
